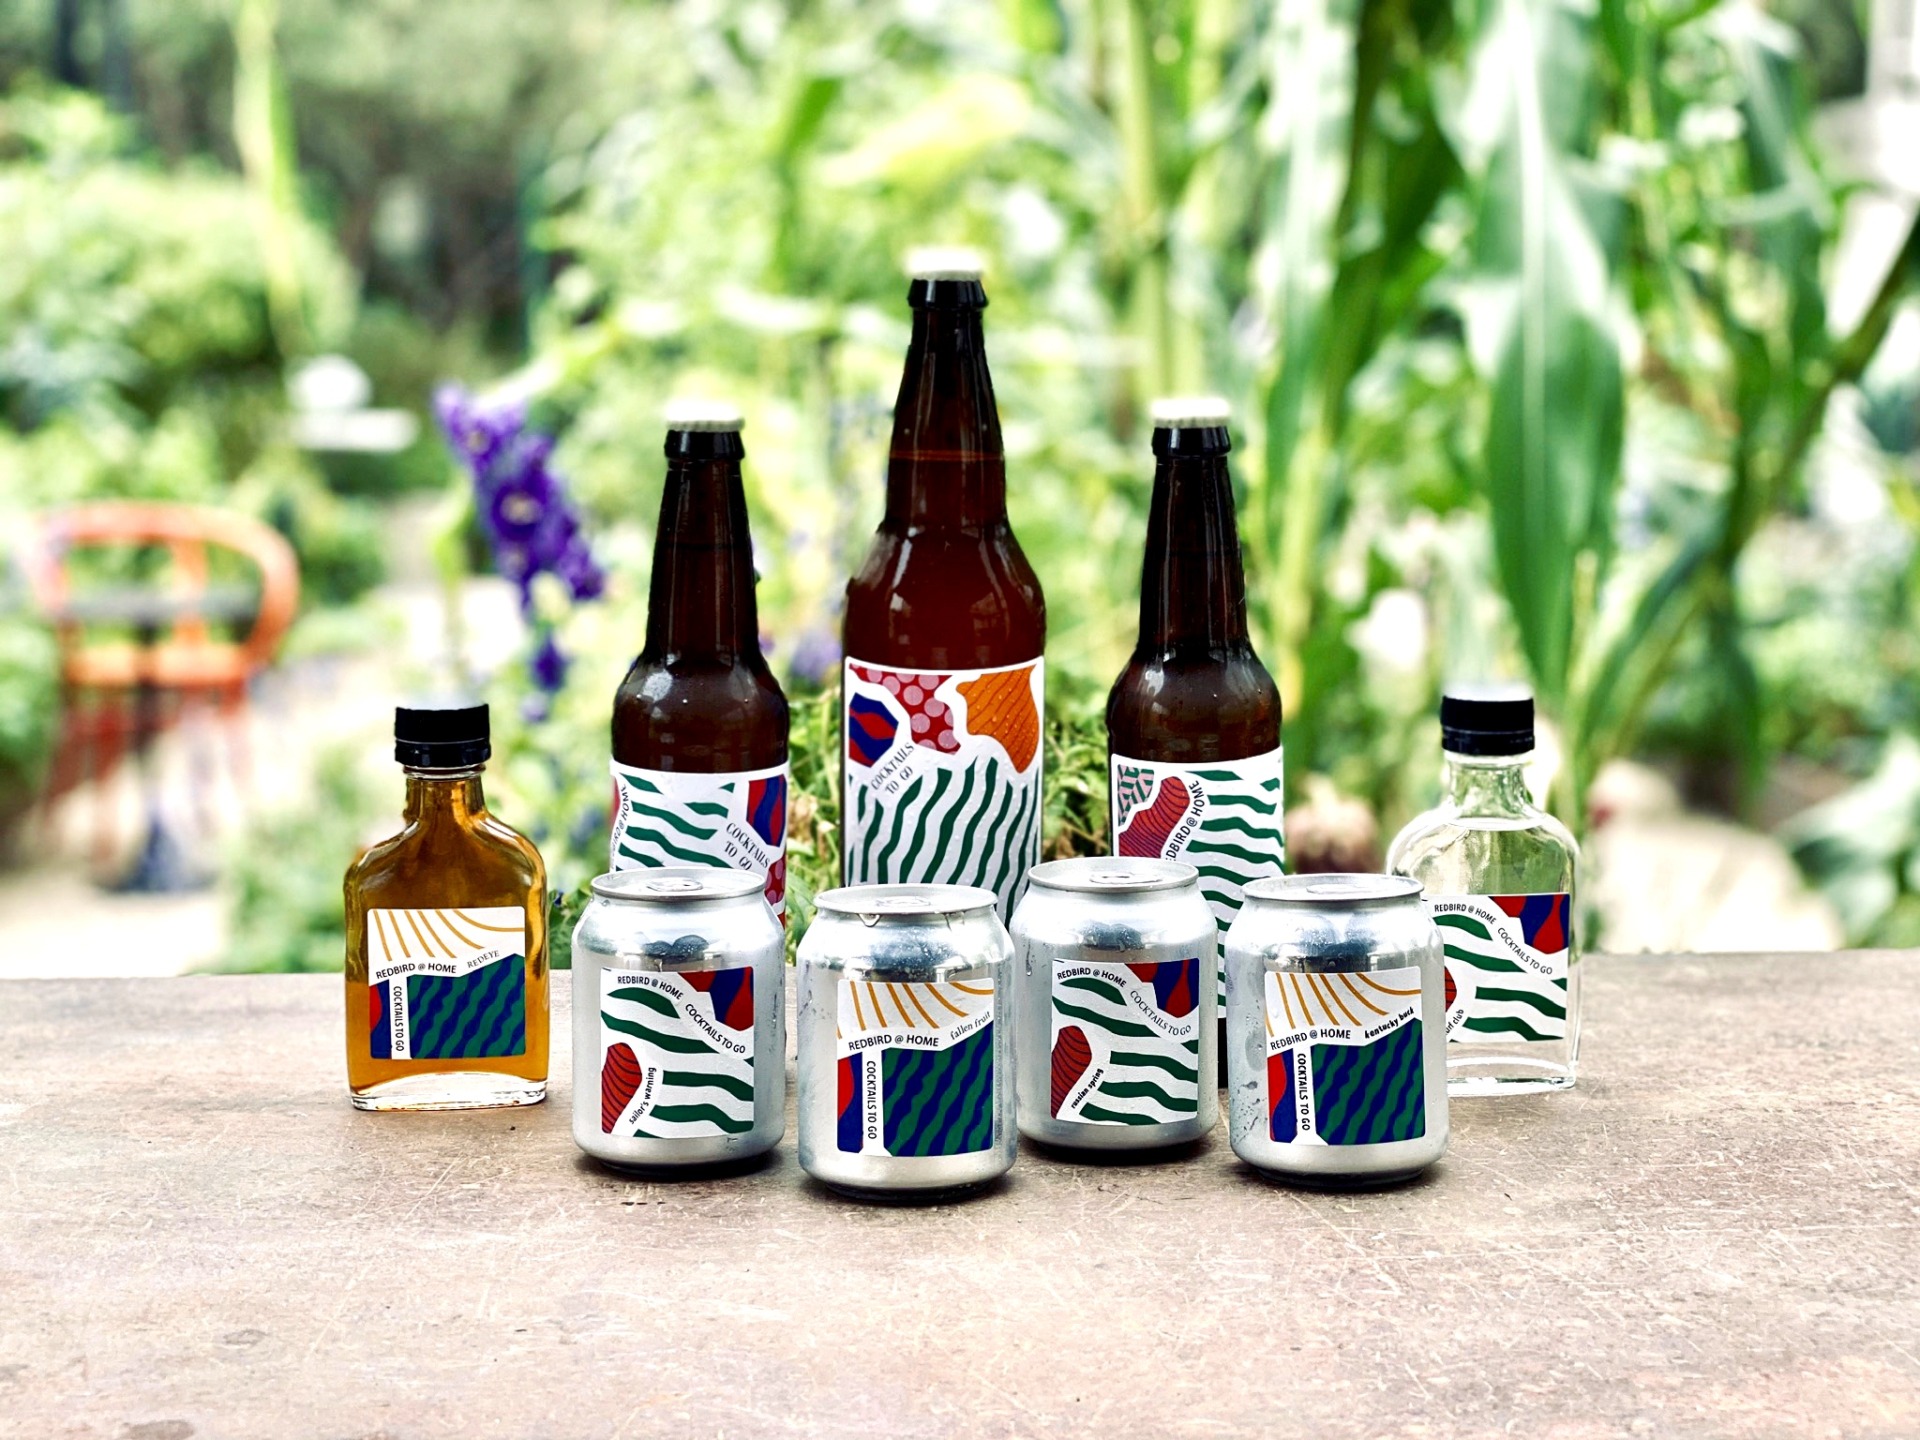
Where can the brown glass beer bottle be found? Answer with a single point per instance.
(1193, 723)
(942, 684)
(699, 723)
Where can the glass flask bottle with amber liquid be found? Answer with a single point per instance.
(1193, 722)
(699, 722)
(446, 937)
(943, 684)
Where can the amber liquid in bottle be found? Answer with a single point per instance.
(1193, 722)
(945, 626)
(699, 720)
(453, 882)
(700, 695)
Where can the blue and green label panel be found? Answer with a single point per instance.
(676, 1053)
(941, 776)
(1507, 966)
(1225, 819)
(1345, 1064)
(915, 1066)
(732, 820)
(447, 984)
(1126, 1042)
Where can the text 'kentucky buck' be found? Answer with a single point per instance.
(1193, 723)
(945, 624)
(699, 723)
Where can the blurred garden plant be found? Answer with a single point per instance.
(1863, 848)
(137, 358)
(1520, 305)
(531, 526)
(283, 874)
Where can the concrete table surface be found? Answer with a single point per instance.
(1717, 1234)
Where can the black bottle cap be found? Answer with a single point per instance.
(1486, 719)
(1190, 425)
(441, 734)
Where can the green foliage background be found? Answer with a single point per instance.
(1522, 306)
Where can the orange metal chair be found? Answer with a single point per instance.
(138, 687)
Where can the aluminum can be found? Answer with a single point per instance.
(1114, 962)
(906, 1017)
(1336, 1030)
(679, 1033)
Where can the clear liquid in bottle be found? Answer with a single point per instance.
(1500, 876)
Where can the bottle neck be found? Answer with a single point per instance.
(701, 604)
(1488, 784)
(444, 795)
(1193, 589)
(946, 468)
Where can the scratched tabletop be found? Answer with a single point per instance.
(1716, 1234)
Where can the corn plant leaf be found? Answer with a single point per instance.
(1399, 166)
(1537, 310)
(1305, 128)
(930, 144)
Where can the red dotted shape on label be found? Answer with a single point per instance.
(929, 720)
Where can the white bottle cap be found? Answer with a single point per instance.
(1189, 412)
(945, 262)
(703, 415)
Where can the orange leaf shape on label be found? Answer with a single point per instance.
(1001, 706)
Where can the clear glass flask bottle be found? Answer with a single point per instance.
(1500, 876)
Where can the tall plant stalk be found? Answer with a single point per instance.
(263, 133)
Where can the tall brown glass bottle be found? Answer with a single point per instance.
(943, 681)
(699, 723)
(1193, 723)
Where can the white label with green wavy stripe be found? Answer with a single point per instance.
(731, 820)
(1507, 959)
(942, 776)
(1225, 819)
(447, 983)
(676, 1053)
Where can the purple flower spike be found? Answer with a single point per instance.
(515, 563)
(530, 523)
(528, 512)
(534, 452)
(477, 431)
(450, 409)
(550, 665)
(584, 579)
